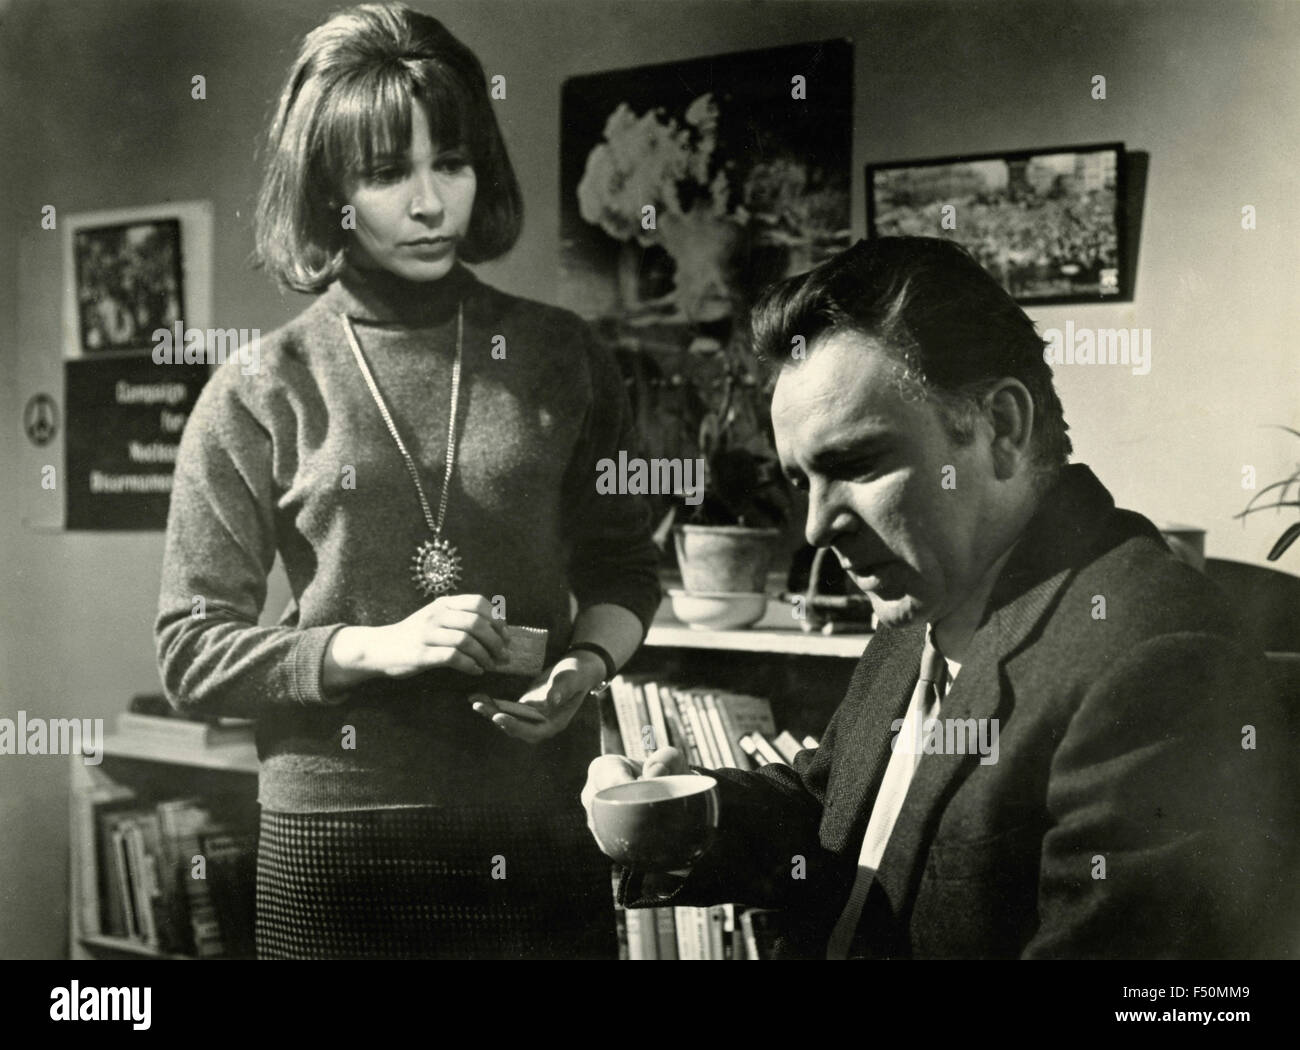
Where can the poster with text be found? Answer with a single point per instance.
(124, 418)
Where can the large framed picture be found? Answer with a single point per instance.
(131, 272)
(687, 187)
(1048, 223)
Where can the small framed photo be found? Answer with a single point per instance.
(131, 272)
(1048, 223)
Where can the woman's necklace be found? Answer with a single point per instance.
(436, 566)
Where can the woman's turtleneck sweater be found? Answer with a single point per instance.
(296, 460)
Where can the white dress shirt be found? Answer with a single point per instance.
(903, 760)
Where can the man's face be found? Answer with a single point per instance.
(874, 466)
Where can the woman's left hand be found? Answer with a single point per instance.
(551, 701)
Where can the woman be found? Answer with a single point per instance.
(420, 450)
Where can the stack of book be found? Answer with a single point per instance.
(173, 733)
(714, 729)
(174, 877)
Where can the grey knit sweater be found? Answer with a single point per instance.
(296, 460)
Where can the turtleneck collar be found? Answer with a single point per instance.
(382, 297)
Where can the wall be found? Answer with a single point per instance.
(95, 112)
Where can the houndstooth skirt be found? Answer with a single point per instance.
(456, 882)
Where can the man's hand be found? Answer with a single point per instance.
(608, 770)
(551, 701)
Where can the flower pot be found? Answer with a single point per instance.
(725, 558)
(726, 611)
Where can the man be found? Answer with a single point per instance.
(1127, 795)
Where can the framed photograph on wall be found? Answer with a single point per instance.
(132, 271)
(1048, 223)
(686, 187)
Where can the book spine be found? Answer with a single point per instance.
(620, 923)
(203, 916)
(620, 931)
(641, 934)
(730, 936)
(88, 857)
(642, 719)
(163, 882)
(751, 750)
(787, 745)
(716, 947)
(726, 760)
(747, 932)
(693, 754)
(657, 720)
(125, 891)
(732, 734)
(676, 734)
(702, 935)
(697, 728)
(171, 874)
(618, 697)
(687, 941)
(141, 882)
(231, 874)
(112, 918)
(766, 749)
(666, 933)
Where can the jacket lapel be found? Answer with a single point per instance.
(876, 696)
(1023, 596)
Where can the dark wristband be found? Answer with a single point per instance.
(611, 668)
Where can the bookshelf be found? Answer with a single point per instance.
(139, 773)
(776, 633)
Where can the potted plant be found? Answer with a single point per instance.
(725, 543)
(1292, 532)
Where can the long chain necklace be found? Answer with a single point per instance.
(436, 566)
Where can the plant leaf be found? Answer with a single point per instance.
(1283, 485)
(1284, 541)
(1279, 426)
(1271, 506)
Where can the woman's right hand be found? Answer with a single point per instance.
(456, 632)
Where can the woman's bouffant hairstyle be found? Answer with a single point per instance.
(348, 99)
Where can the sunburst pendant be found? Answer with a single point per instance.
(436, 567)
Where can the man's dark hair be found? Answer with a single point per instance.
(953, 329)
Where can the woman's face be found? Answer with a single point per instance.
(412, 210)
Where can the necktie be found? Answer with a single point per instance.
(893, 791)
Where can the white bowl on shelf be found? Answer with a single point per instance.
(717, 610)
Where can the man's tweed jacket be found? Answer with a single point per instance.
(1139, 805)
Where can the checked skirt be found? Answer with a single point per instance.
(447, 882)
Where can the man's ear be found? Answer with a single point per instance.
(1010, 410)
